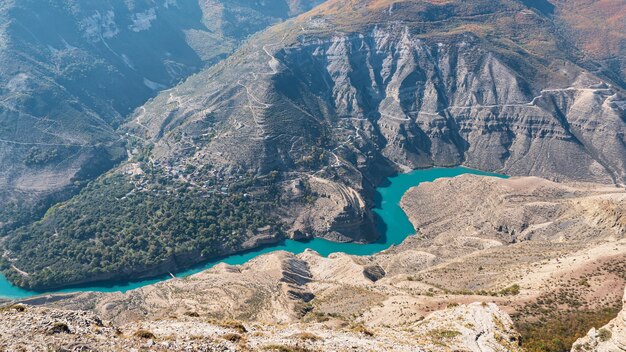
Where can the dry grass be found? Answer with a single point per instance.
(232, 337)
(144, 334)
(307, 336)
(230, 324)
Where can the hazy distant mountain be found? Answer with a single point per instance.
(72, 70)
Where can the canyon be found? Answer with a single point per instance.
(524, 247)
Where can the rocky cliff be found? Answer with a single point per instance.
(418, 87)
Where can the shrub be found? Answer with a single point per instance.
(16, 307)
(444, 334)
(232, 324)
(512, 290)
(60, 328)
(232, 337)
(144, 334)
(558, 332)
(361, 329)
(604, 334)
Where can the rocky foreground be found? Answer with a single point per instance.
(477, 327)
(494, 264)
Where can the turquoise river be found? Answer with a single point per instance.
(393, 225)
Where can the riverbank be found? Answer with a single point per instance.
(393, 225)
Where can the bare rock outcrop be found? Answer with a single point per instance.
(339, 213)
(473, 327)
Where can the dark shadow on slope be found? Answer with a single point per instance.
(543, 6)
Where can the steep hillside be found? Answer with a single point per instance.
(489, 85)
(300, 124)
(71, 72)
(552, 256)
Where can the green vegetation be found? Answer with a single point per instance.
(512, 290)
(38, 156)
(444, 334)
(17, 213)
(60, 328)
(120, 225)
(558, 318)
(16, 307)
(558, 334)
(604, 335)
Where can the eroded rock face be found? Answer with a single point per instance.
(515, 210)
(388, 97)
(347, 104)
(339, 213)
(609, 338)
(475, 327)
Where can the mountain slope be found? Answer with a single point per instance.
(585, 22)
(297, 127)
(453, 328)
(486, 85)
(73, 70)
